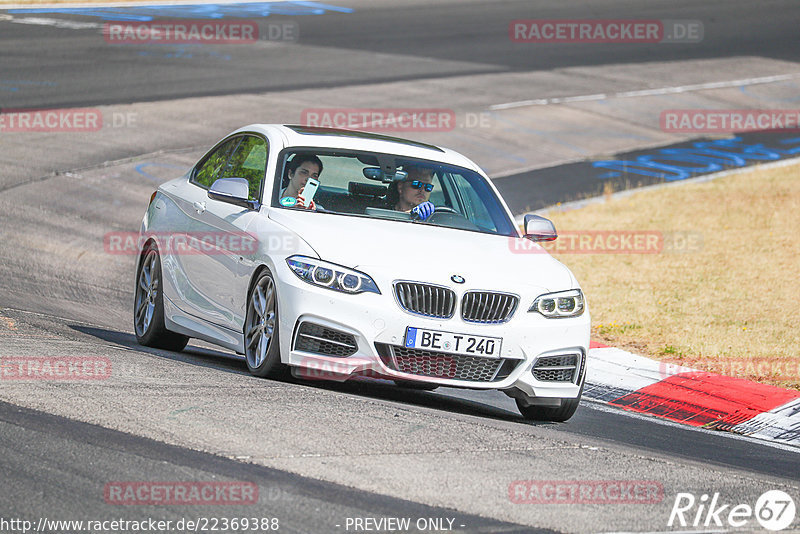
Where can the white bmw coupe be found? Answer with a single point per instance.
(356, 278)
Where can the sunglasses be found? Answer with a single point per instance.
(417, 184)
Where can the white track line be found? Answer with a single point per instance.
(646, 92)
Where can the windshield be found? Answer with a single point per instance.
(383, 186)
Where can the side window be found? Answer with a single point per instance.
(213, 165)
(249, 161)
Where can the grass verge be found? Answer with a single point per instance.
(721, 295)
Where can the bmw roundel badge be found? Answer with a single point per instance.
(457, 279)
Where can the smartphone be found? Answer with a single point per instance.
(310, 190)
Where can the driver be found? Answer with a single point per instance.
(415, 190)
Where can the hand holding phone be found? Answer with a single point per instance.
(309, 190)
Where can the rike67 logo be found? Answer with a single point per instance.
(774, 510)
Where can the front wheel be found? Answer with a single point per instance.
(148, 306)
(546, 413)
(262, 350)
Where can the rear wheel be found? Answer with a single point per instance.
(148, 306)
(547, 413)
(262, 350)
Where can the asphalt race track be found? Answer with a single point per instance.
(325, 454)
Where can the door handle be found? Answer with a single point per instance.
(199, 207)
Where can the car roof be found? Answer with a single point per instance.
(313, 136)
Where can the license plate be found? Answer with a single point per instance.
(419, 338)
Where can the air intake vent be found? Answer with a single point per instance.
(488, 307)
(441, 365)
(425, 299)
(563, 368)
(323, 340)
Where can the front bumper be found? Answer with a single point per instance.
(372, 324)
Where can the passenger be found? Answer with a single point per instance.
(412, 193)
(298, 171)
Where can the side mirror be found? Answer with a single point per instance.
(233, 191)
(539, 229)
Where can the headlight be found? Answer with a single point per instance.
(325, 274)
(562, 304)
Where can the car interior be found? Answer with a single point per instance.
(361, 184)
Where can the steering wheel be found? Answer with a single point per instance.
(446, 216)
(445, 209)
(440, 209)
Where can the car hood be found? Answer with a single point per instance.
(395, 250)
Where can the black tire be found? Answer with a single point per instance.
(148, 306)
(261, 327)
(546, 413)
(419, 386)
